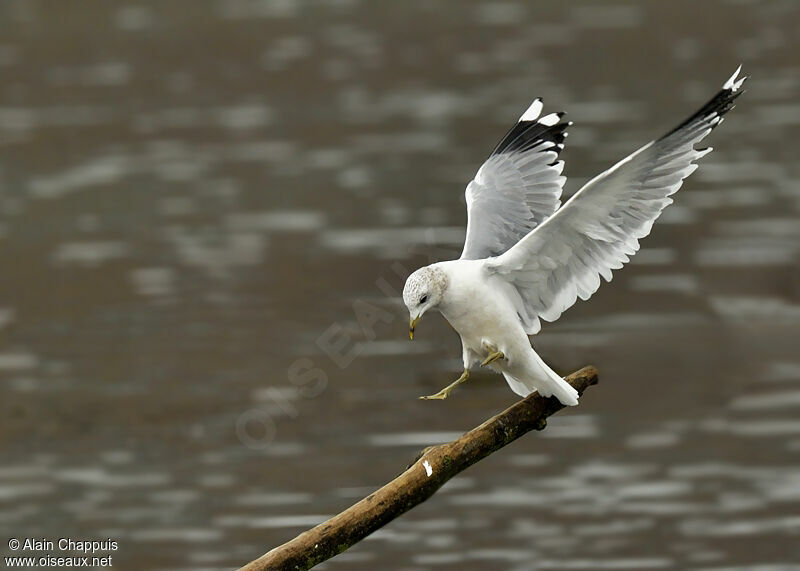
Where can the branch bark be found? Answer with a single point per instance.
(433, 467)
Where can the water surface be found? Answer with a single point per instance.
(197, 205)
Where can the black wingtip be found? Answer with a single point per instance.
(718, 105)
(524, 136)
(527, 133)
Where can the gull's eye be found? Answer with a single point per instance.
(423, 299)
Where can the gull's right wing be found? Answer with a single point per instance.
(600, 226)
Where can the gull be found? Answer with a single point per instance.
(526, 258)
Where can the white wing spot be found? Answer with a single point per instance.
(549, 120)
(533, 111)
(732, 83)
(428, 469)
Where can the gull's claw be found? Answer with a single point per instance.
(492, 358)
(441, 395)
(445, 392)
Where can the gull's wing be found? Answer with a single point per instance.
(518, 186)
(600, 226)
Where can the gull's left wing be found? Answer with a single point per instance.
(600, 226)
(518, 187)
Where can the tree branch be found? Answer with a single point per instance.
(434, 466)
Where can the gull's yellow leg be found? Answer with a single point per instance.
(443, 394)
(492, 358)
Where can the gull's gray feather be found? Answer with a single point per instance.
(518, 187)
(599, 228)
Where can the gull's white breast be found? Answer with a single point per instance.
(476, 306)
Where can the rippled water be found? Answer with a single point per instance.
(198, 203)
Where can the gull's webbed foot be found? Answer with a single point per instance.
(445, 392)
(492, 358)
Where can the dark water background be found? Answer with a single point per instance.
(195, 196)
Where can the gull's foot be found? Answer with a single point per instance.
(445, 392)
(492, 358)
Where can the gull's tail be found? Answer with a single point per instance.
(543, 379)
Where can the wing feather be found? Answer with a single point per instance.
(599, 228)
(517, 187)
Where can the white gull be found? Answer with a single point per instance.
(525, 259)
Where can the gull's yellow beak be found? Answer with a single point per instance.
(411, 326)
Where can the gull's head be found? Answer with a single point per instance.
(423, 290)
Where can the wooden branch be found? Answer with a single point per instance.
(433, 467)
